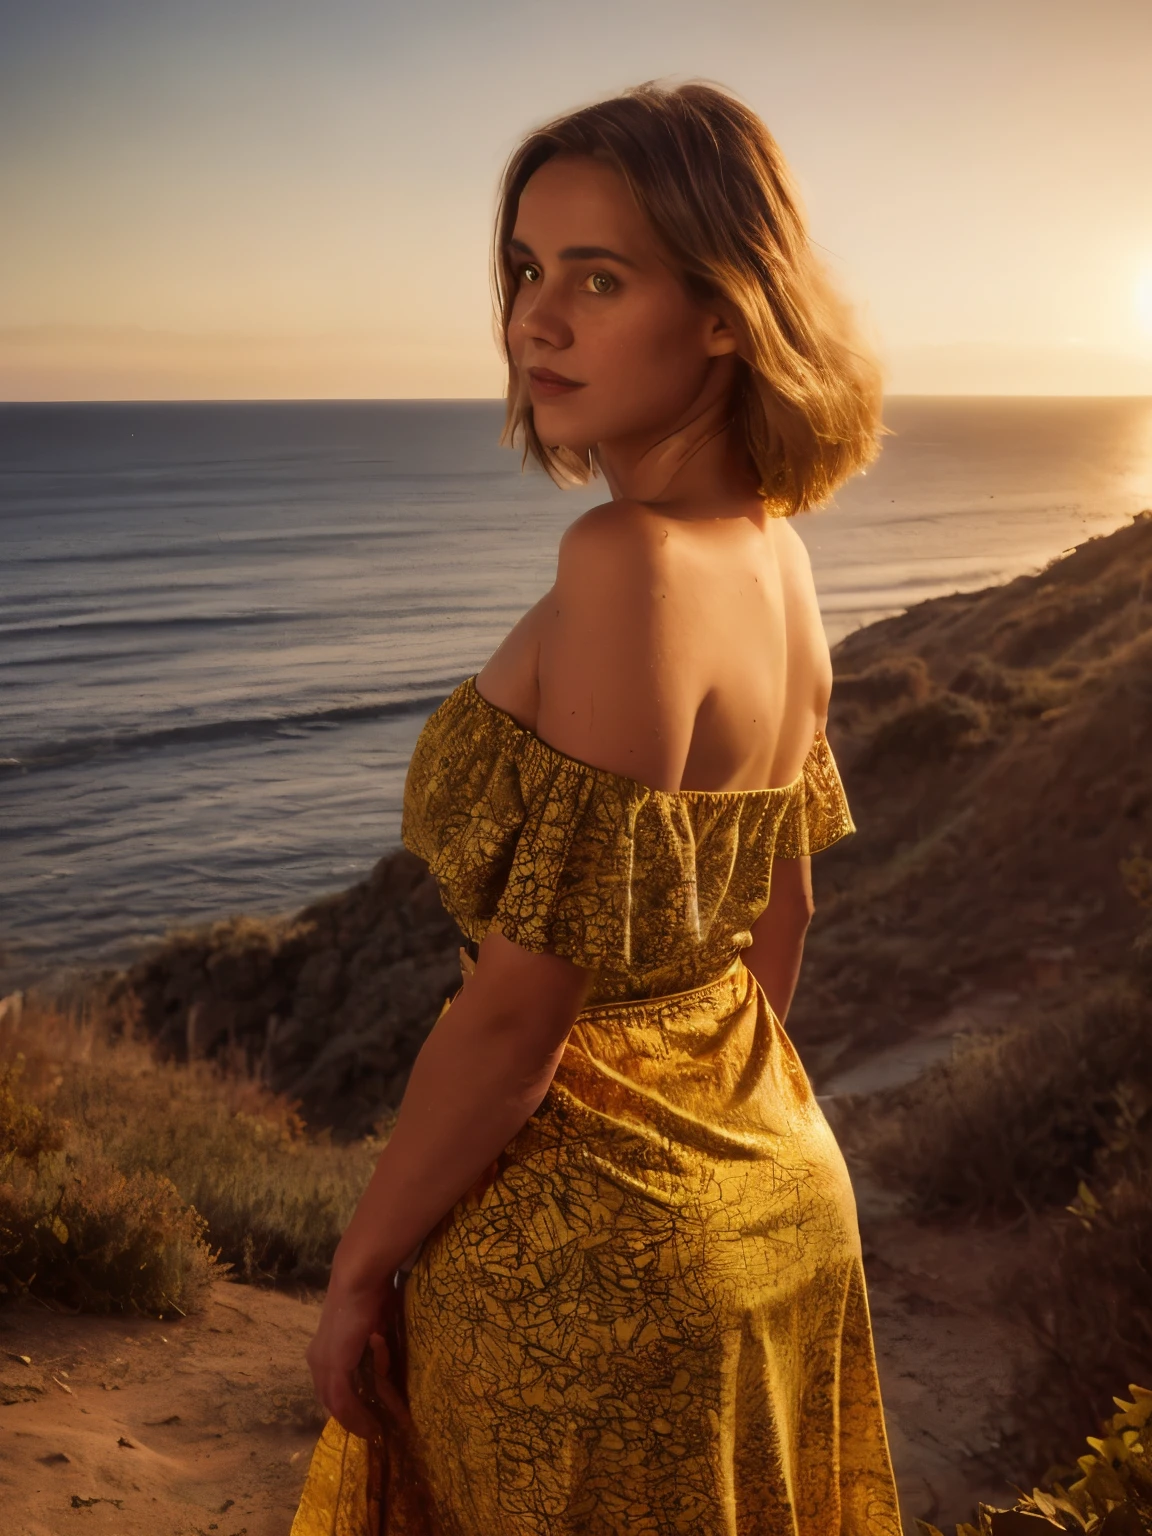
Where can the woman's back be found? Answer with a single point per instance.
(680, 650)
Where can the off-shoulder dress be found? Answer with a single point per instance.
(650, 1317)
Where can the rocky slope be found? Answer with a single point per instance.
(997, 749)
(329, 1006)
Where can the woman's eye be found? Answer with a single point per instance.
(601, 282)
(530, 273)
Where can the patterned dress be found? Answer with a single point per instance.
(650, 1316)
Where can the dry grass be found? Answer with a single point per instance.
(77, 1230)
(995, 747)
(1016, 1120)
(275, 1198)
(128, 1183)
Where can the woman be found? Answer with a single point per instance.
(635, 1301)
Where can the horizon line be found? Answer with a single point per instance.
(904, 394)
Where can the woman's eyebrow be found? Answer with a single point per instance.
(592, 253)
(576, 253)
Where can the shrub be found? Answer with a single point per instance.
(928, 732)
(274, 1197)
(210, 1162)
(1110, 1496)
(25, 1133)
(76, 1230)
(1085, 1301)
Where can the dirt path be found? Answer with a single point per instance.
(130, 1427)
(946, 1357)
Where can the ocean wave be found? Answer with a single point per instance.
(117, 622)
(81, 749)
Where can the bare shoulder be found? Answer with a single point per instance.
(613, 688)
(808, 641)
(795, 565)
(612, 576)
(619, 540)
(792, 550)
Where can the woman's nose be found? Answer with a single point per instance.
(543, 319)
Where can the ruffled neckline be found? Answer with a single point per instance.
(524, 737)
(566, 858)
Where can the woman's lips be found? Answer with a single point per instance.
(546, 383)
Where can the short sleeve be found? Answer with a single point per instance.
(568, 859)
(818, 813)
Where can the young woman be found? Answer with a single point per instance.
(634, 1300)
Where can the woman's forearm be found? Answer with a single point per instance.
(479, 1076)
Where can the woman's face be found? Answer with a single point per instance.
(608, 341)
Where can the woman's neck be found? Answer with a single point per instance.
(695, 463)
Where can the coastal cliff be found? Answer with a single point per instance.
(997, 751)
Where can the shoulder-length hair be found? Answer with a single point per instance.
(713, 183)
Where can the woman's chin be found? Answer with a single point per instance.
(559, 428)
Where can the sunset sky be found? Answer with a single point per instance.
(262, 198)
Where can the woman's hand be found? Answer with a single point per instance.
(350, 1322)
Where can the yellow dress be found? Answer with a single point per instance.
(650, 1317)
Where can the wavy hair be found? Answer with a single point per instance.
(711, 180)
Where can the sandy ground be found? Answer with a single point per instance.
(115, 1427)
(946, 1358)
(130, 1427)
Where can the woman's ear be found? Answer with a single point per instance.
(722, 336)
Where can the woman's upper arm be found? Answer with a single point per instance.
(536, 996)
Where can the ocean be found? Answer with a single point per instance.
(222, 625)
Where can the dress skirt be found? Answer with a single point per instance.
(649, 1317)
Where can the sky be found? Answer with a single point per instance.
(266, 198)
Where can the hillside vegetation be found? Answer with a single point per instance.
(329, 1006)
(130, 1184)
(997, 750)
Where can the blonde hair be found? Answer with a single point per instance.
(711, 180)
